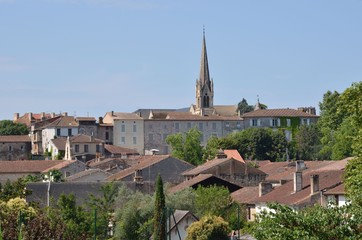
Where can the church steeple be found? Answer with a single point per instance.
(204, 66)
(204, 85)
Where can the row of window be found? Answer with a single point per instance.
(200, 125)
(123, 128)
(275, 122)
(11, 148)
(164, 136)
(134, 140)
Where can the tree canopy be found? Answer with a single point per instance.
(187, 146)
(8, 127)
(208, 228)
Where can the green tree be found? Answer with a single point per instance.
(312, 223)
(218, 199)
(8, 127)
(104, 205)
(308, 142)
(212, 147)
(182, 200)
(159, 218)
(208, 228)
(244, 107)
(257, 143)
(186, 146)
(134, 214)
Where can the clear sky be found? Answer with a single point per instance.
(88, 57)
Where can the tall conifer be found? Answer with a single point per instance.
(159, 232)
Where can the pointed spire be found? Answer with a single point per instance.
(204, 66)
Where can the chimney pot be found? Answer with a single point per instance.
(264, 188)
(314, 184)
(16, 116)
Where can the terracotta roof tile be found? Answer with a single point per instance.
(59, 143)
(119, 150)
(285, 193)
(82, 138)
(29, 166)
(339, 189)
(246, 195)
(286, 112)
(123, 115)
(233, 153)
(15, 138)
(63, 121)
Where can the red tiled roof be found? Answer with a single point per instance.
(232, 153)
(15, 138)
(119, 150)
(285, 193)
(277, 171)
(64, 121)
(29, 166)
(59, 142)
(82, 138)
(339, 189)
(123, 115)
(286, 112)
(85, 119)
(246, 195)
(215, 162)
(61, 164)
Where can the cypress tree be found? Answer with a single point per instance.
(159, 219)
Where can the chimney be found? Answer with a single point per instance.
(52, 115)
(42, 116)
(220, 154)
(299, 166)
(16, 116)
(112, 113)
(65, 114)
(30, 115)
(314, 184)
(264, 188)
(298, 181)
(100, 120)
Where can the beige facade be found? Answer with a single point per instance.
(128, 130)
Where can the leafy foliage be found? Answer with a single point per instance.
(8, 127)
(208, 228)
(308, 142)
(244, 107)
(187, 146)
(311, 223)
(218, 199)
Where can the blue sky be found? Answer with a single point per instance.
(87, 57)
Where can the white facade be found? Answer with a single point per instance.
(51, 133)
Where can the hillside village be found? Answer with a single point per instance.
(131, 148)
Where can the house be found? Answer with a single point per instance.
(12, 170)
(335, 195)
(286, 119)
(30, 118)
(89, 175)
(178, 223)
(105, 131)
(148, 167)
(306, 188)
(296, 184)
(15, 147)
(204, 180)
(87, 126)
(229, 169)
(83, 147)
(127, 130)
(61, 127)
